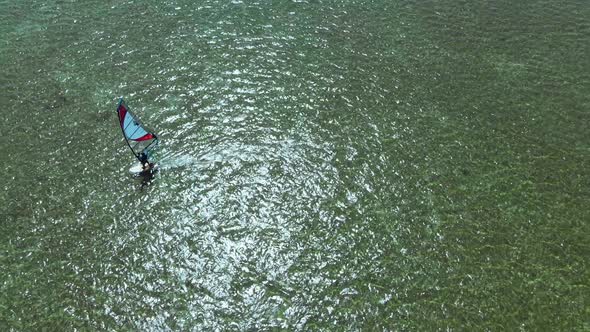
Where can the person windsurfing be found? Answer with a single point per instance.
(140, 140)
(145, 163)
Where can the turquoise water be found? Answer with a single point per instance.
(325, 165)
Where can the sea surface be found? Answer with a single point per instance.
(325, 165)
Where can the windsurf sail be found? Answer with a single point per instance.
(141, 141)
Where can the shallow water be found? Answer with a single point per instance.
(325, 165)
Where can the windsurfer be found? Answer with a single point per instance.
(147, 166)
(138, 138)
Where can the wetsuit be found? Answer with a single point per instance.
(143, 158)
